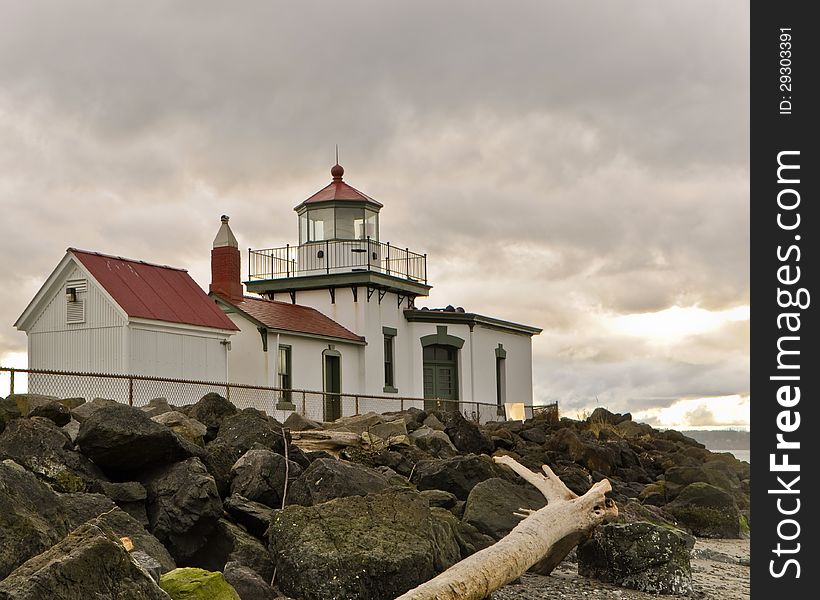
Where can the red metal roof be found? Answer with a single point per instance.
(158, 292)
(293, 317)
(339, 190)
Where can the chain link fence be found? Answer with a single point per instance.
(139, 390)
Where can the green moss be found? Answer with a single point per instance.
(197, 584)
(745, 528)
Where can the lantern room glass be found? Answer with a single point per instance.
(338, 223)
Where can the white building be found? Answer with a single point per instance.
(336, 312)
(106, 314)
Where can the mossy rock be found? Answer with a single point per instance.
(707, 510)
(197, 584)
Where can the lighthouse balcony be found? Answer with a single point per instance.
(337, 257)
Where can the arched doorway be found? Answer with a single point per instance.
(440, 376)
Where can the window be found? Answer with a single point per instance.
(75, 305)
(285, 375)
(350, 223)
(389, 359)
(320, 225)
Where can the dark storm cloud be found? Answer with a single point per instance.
(598, 151)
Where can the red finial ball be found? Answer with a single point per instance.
(337, 171)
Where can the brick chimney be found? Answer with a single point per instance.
(226, 264)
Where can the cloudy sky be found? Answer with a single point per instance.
(580, 166)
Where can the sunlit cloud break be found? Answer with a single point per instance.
(675, 323)
(701, 413)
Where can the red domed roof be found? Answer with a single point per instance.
(338, 190)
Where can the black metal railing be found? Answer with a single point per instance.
(336, 256)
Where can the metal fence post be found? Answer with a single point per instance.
(130, 391)
(11, 382)
(304, 404)
(228, 392)
(401, 403)
(357, 404)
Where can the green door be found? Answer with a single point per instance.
(440, 377)
(333, 387)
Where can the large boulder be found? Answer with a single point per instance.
(328, 478)
(469, 539)
(456, 475)
(211, 411)
(90, 563)
(156, 406)
(55, 411)
(28, 402)
(707, 510)
(191, 429)
(247, 583)
(376, 546)
(491, 504)
(433, 442)
(183, 506)
(230, 543)
(85, 410)
(81, 508)
(260, 475)
(45, 449)
(250, 426)
(190, 583)
(253, 516)
(32, 517)
(129, 496)
(297, 422)
(219, 458)
(639, 555)
(465, 435)
(124, 440)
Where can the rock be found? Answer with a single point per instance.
(707, 510)
(253, 516)
(250, 426)
(640, 555)
(32, 517)
(296, 422)
(376, 546)
(190, 583)
(54, 411)
(469, 539)
(439, 498)
(26, 403)
(632, 429)
(434, 442)
(90, 563)
(45, 449)
(247, 583)
(71, 429)
(191, 429)
(156, 406)
(6, 415)
(456, 475)
(183, 506)
(465, 435)
(433, 423)
(81, 508)
(229, 543)
(148, 563)
(130, 496)
(82, 412)
(683, 476)
(389, 430)
(328, 478)
(219, 459)
(260, 474)
(491, 504)
(124, 440)
(357, 423)
(602, 415)
(537, 435)
(632, 511)
(603, 458)
(575, 477)
(211, 410)
(445, 529)
(72, 403)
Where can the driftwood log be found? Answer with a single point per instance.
(539, 542)
(329, 441)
